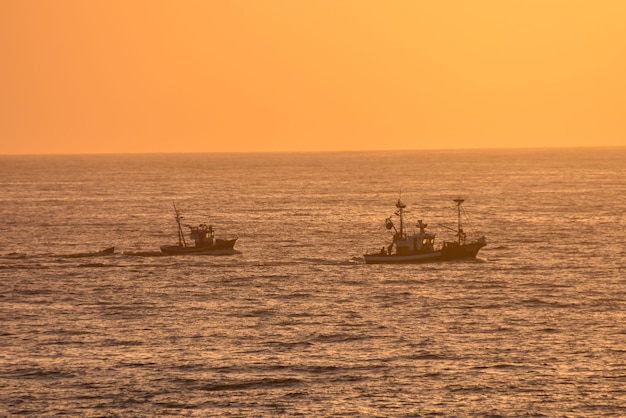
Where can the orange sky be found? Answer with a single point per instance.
(115, 76)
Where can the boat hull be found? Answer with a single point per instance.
(447, 253)
(459, 252)
(402, 259)
(221, 247)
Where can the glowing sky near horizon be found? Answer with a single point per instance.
(253, 75)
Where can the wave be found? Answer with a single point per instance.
(144, 253)
(14, 256)
(90, 265)
(252, 384)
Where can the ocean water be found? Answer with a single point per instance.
(295, 323)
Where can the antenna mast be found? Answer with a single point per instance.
(459, 202)
(181, 236)
(401, 207)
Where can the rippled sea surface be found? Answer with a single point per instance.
(296, 324)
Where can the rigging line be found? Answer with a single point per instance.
(469, 221)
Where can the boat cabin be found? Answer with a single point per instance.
(422, 242)
(202, 235)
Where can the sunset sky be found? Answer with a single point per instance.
(109, 76)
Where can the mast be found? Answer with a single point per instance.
(459, 230)
(181, 236)
(401, 207)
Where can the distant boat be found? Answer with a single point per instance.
(420, 247)
(204, 241)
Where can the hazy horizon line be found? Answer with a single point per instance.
(322, 151)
